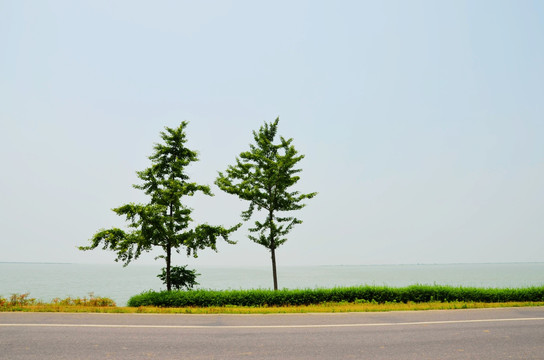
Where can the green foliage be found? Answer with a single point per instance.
(362, 294)
(164, 221)
(180, 277)
(263, 176)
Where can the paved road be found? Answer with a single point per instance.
(459, 334)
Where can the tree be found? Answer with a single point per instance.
(180, 277)
(164, 221)
(263, 176)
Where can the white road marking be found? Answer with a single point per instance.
(272, 326)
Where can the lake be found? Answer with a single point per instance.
(49, 281)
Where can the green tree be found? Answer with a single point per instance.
(263, 176)
(180, 277)
(164, 221)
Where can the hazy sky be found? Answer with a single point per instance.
(422, 122)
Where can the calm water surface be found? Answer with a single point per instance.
(48, 281)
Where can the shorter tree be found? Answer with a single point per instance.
(164, 221)
(180, 277)
(263, 176)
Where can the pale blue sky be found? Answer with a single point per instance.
(421, 121)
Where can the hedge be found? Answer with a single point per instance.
(379, 294)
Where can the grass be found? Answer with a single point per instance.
(425, 301)
(318, 308)
(23, 302)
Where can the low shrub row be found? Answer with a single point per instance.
(377, 294)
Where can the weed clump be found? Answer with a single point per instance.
(18, 302)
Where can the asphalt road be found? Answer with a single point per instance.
(458, 334)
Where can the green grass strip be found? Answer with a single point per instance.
(320, 308)
(362, 294)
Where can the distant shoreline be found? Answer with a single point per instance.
(287, 266)
(37, 263)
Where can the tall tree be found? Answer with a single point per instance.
(164, 221)
(263, 176)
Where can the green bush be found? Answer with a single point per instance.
(362, 294)
(180, 277)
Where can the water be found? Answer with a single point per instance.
(49, 281)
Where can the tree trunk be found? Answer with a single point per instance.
(272, 242)
(169, 256)
(274, 274)
(168, 260)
